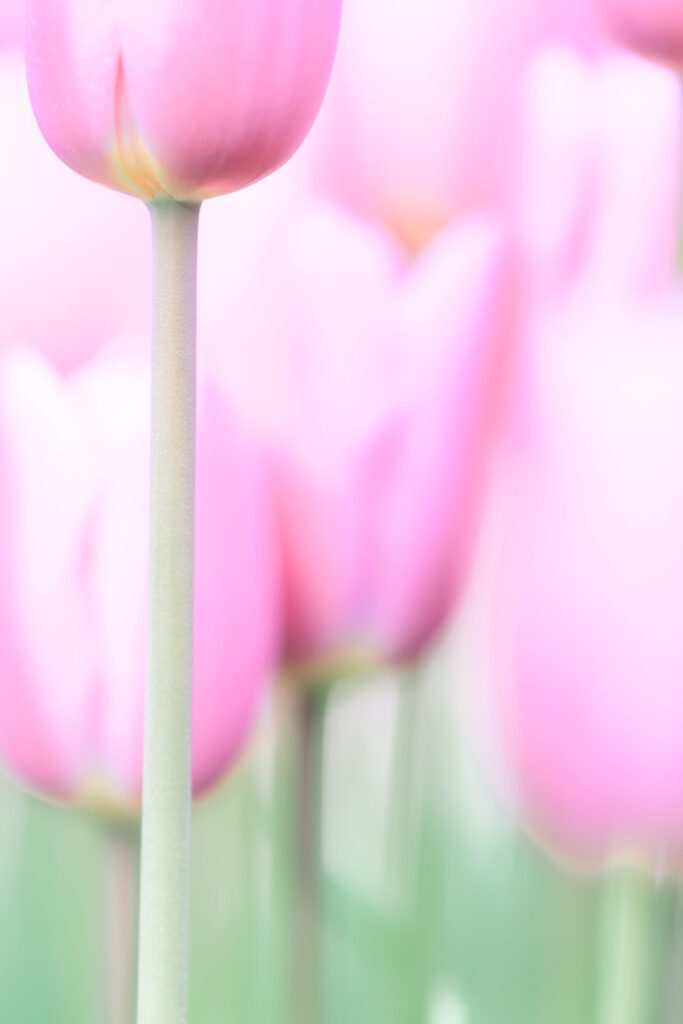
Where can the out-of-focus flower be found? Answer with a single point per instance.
(374, 381)
(74, 258)
(73, 558)
(418, 124)
(186, 100)
(586, 597)
(597, 175)
(580, 596)
(652, 27)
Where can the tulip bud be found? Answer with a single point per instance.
(73, 563)
(576, 607)
(185, 100)
(584, 595)
(400, 138)
(398, 365)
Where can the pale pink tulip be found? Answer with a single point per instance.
(374, 382)
(188, 99)
(579, 599)
(652, 27)
(73, 557)
(586, 590)
(418, 125)
(74, 258)
(597, 174)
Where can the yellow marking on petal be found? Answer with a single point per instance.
(350, 662)
(131, 160)
(99, 797)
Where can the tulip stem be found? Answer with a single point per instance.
(167, 782)
(402, 816)
(308, 715)
(625, 993)
(121, 869)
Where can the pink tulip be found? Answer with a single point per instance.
(580, 592)
(73, 557)
(418, 125)
(74, 258)
(189, 99)
(597, 174)
(374, 382)
(586, 596)
(652, 27)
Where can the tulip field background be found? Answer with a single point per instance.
(447, 915)
(439, 525)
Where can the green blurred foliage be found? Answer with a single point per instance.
(435, 907)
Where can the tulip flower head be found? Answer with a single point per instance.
(414, 130)
(595, 135)
(73, 555)
(183, 99)
(580, 592)
(653, 28)
(586, 598)
(373, 380)
(99, 291)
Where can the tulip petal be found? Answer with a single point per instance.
(223, 93)
(585, 594)
(455, 316)
(72, 52)
(47, 517)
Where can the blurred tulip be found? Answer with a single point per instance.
(579, 599)
(185, 100)
(652, 27)
(73, 552)
(597, 176)
(74, 258)
(586, 591)
(418, 124)
(374, 382)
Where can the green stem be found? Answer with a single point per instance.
(671, 1004)
(166, 801)
(308, 714)
(121, 869)
(403, 811)
(625, 994)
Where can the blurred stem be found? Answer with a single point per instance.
(120, 877)
(308, 706)
(673, 1010)
(402, 817)
(166, 800)
(625, 982)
